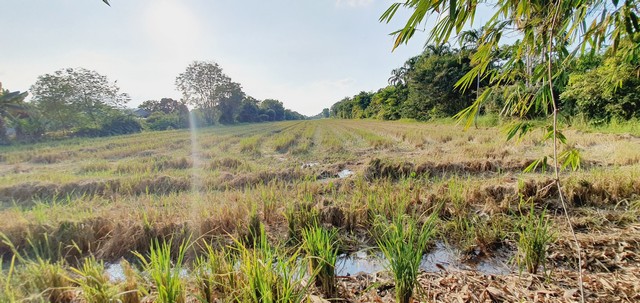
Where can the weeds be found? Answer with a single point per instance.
(8, 293)
(300, 217)
(268, 275)
(131, 288)
(321, 247)
(215, 275)
(48, 281)
(93, 282)
(534, 236)
(251, 145)
(164, 273)
(284, 141)
(403, 243)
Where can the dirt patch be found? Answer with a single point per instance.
(617, 250)
(471, 286)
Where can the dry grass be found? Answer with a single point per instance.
(109, 196)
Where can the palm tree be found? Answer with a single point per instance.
(400, 75)
(11, 104)
(438, 50)
(469, 41)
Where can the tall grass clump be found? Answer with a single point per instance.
(131, 287)
(284, 142)
(48, 281)
(251, 145)
(268, 275)
(7, 292)
(94, 283)
(403, 242)
(300, 217)
(321, 248)
(164, 273)
(215, 275)
(534, 236)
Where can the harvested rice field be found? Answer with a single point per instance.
(317, 211)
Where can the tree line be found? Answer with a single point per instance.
(81, 102)
(599, 87)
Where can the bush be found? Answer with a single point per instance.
(120, 125)
(111, 126)
(162, 121)
(88, 131)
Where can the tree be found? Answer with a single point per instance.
(276, 106)
(229, 105)
(399, 75)
(326, 113)
(166, 114)
(469, 41)
(386, 104)
(11, 105)
(165, 105)
(342, 109)
(544, 27)
(76, 97)
(249, 111)
(360, 103)
(431, 86)
(204, 85)
(607, 92)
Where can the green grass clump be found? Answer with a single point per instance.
(164, 273)
(283, 142)
(7, 292)
(251, 145)
(94, 283)
(321, 248)
(268, 275)
(403, 242)
(534, 236)
(215, 275)
(48, 281)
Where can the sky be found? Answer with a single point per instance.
(308, 54)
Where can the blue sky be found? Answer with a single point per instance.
(306, 53)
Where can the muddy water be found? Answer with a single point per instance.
(115, 272)
(439, 258)
(344, 173)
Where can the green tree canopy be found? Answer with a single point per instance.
(165, 105)
(276, 106)
(11, 106)
(205, 86)
(76, 97)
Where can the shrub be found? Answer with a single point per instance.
(120, 125)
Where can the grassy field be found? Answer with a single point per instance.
(266, 196)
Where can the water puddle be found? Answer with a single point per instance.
(360, 262)
(115, 272)
(369, 261)
(344, 173)
(438, 259)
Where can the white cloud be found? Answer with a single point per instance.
(353, 3)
